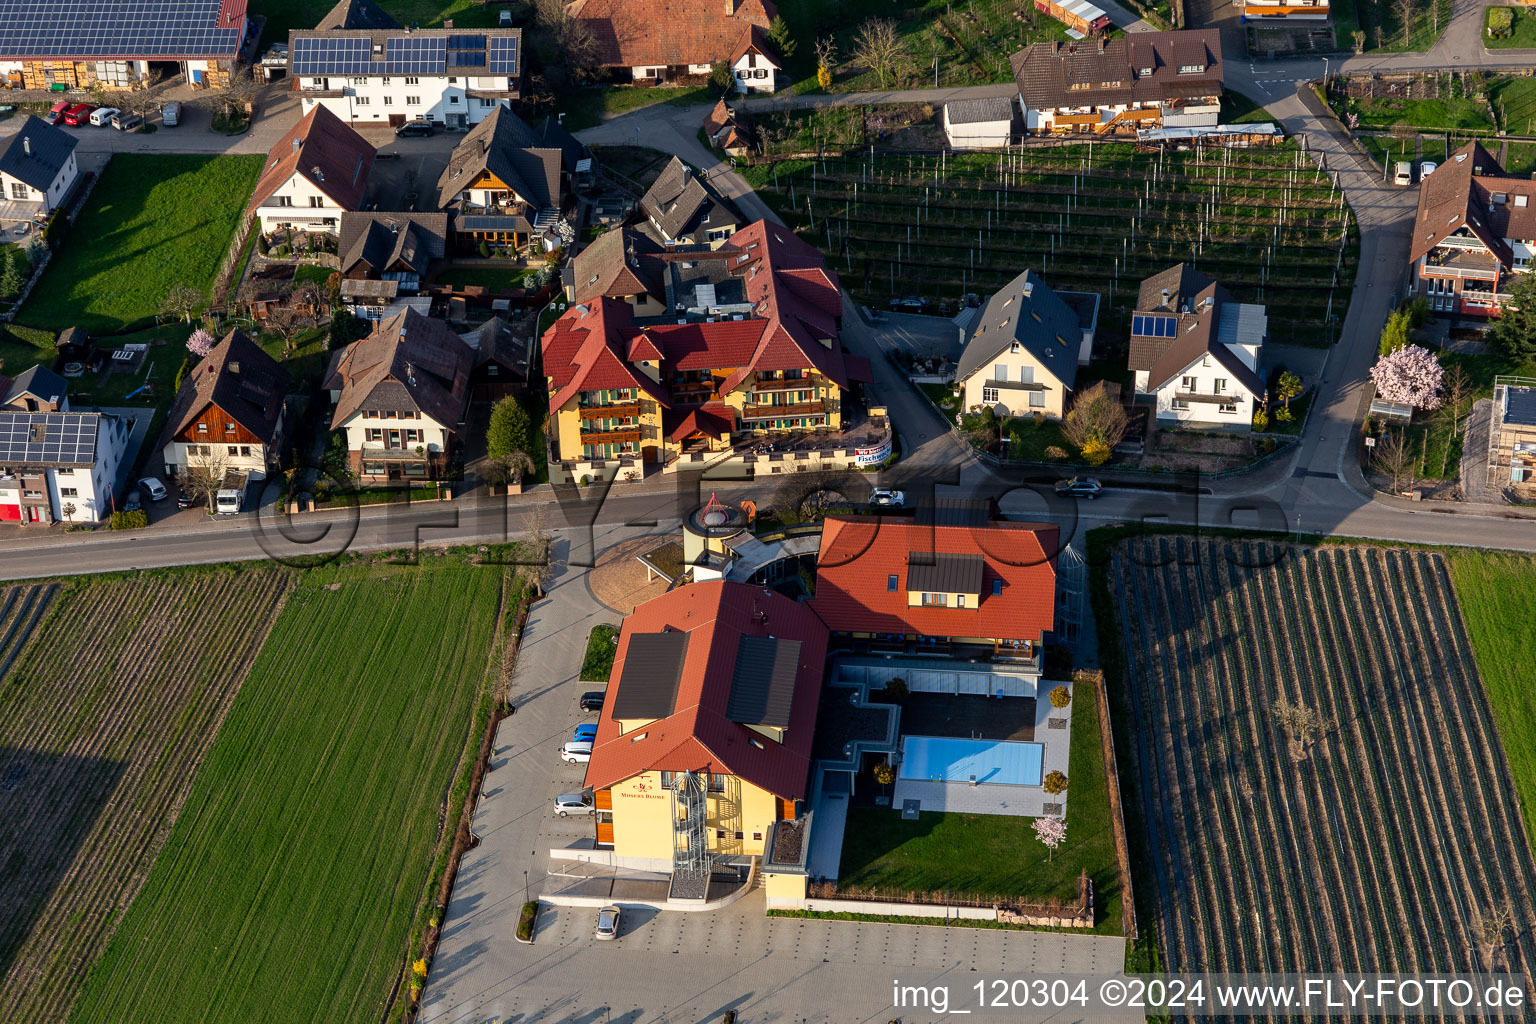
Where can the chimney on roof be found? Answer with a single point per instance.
(297, 142)
(1102, 43)
(1029, 289)
(26, 145)
(1165, 296)
(410, 373)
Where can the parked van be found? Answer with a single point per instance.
(126, 122)
(231, 496)
(56, 111)
(78, 114)
(171, 116)
(1402, 174)
(102, 116)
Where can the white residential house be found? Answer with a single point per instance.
(316, 172)
(400, 396)
(37, 168)
(979, 124)
(56, 465)
(1024, 346)
(1196, 351)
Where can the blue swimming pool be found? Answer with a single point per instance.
(949, 759)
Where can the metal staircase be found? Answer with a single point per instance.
(691, 860)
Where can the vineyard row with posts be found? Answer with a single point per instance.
(108, 708)
(1292, 707)
(1267, 223)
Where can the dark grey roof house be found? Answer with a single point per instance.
(37, 165)
(682, 208)
(37, 389)
(1024, 346)
(401, 245)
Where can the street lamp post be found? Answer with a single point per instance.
(1325, 79)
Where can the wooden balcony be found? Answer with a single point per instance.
(800, 384)
(597, 412)
(631, 434)
(768, 412)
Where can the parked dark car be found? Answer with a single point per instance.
(1079, 487)
(911, 304)
(184, 498)
(414, 129)
(133, 503)
(592, 700)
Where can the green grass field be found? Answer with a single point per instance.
(996, 854)
(602, 645)
(1515, 101)
(150, 222)
(1523, 37)
(291, 881)
(1445, 113)
(1494, 591)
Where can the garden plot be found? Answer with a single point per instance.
(1093, 217)
(116, 690)
(1388, 839)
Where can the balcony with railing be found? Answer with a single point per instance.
(617, 436)
(776, 384)
(598, 412)
(769, 412)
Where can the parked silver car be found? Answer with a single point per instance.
(607, 923)
(573, 803)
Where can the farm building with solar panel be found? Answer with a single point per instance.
(57, 45)
(1195, 350)
(370, 69)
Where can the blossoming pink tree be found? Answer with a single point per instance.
(200, 343)
(1410, 376)
(1051, 831)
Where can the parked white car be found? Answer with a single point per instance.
(1426, 169)
(567, 804)
(576, 752)
(102, 116)
(1402, 173)
(607, 923)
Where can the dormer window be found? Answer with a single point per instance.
(1191, 69)
(1144, 72)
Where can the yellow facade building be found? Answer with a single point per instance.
(704, 744)
(747, 348)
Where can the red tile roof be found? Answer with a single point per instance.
(859, 554)
(634, 33)
(329, 153)
(698, 736)
(712, 418)
(798, 303)
(582, 352)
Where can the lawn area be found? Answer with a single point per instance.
(943, 396)
(1028, 439)
(1515, 101)
(312, 272)
(1384, 29)
(1494, 593)
(1520, 158)
(21, 347)
(602, 645)
(283, 15)
(1523, 35)
(151, 222)
(1446, 113)
(296, 873)
(989, 854)
(587, 107)
(1239, 109)
(1386, 150)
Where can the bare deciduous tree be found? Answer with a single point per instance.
(1406, 11)
(1456, 387)
(1301, 725)
(181, 301)
(826, 51)
(1490, 928)
(577, 46)
(1391, 457)
(299, 314)
(880, 48)
(205, 472)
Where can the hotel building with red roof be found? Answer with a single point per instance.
(704, 740)
(748, 345)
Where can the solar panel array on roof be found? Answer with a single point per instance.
(415, 55)
(332, 56)
(39, 438)
(1155, 326)
(1520, 406)
(116, 28)
(763, 683)
(653, 670)
(503, 55)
